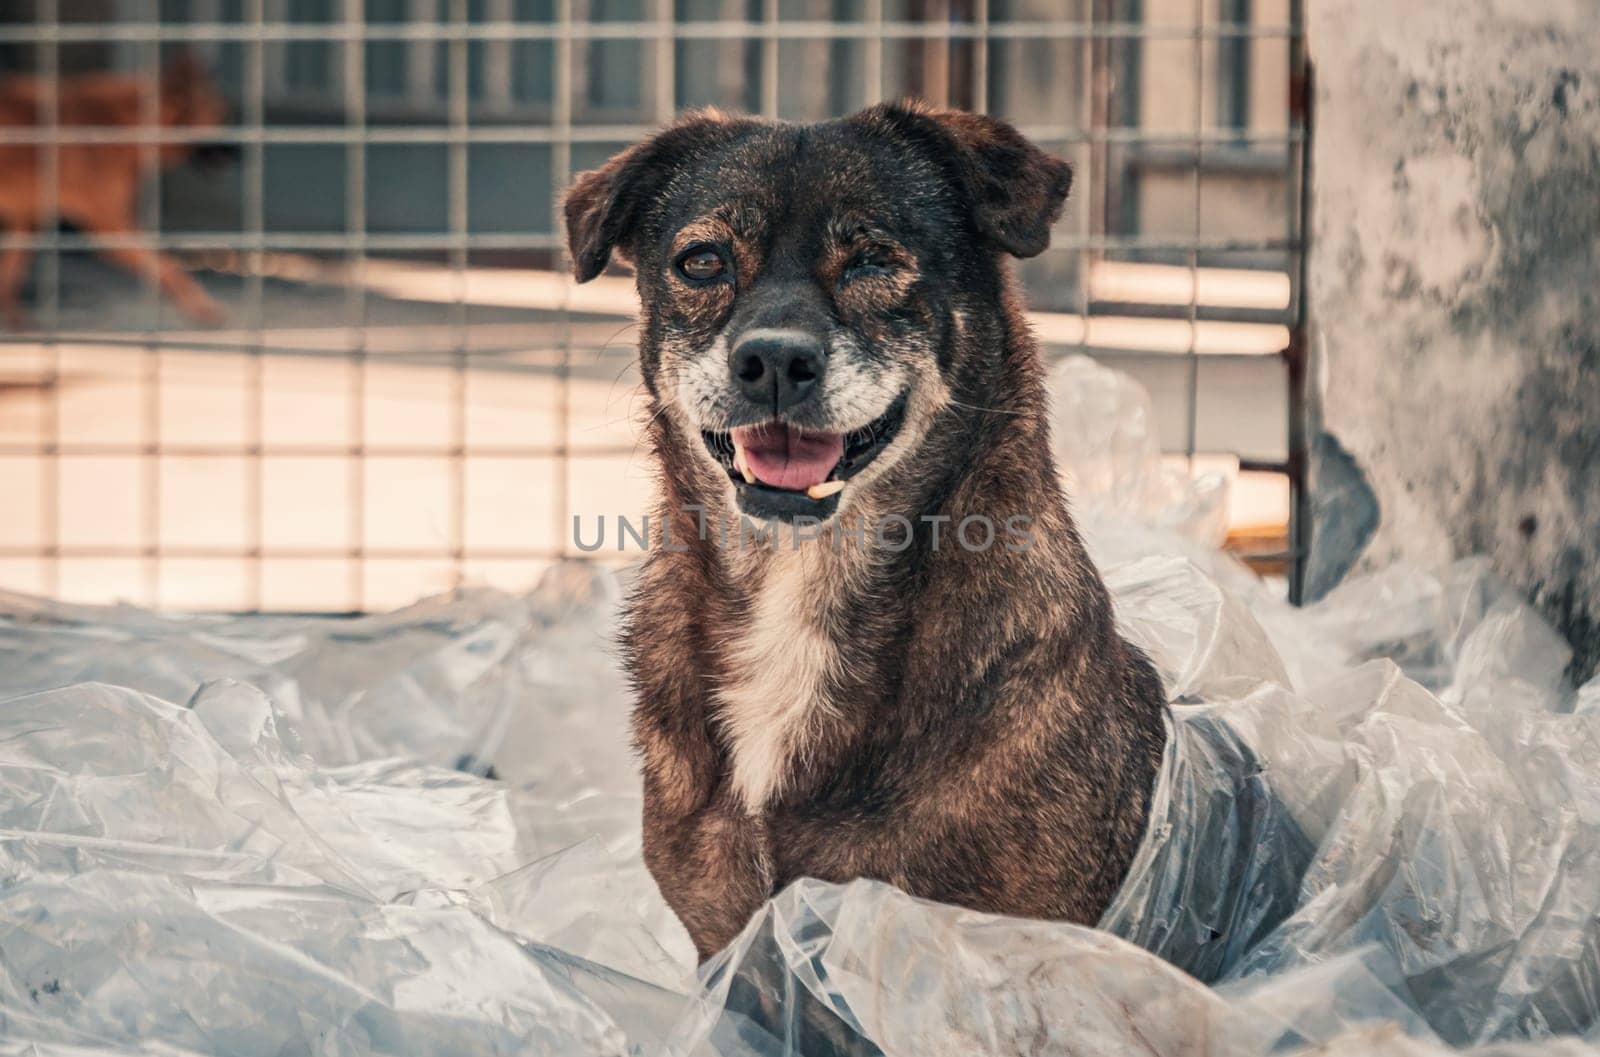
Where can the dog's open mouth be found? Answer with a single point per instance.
(778, 457)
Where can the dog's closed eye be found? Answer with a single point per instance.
(868, 262)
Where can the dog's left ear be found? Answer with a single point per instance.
(605, 206)
(1015, 190)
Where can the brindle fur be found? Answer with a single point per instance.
(984, 736)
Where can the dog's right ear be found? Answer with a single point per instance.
(604, 206)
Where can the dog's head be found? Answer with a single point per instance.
(190, 99)
(815, 298)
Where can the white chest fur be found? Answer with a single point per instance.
(782, 665)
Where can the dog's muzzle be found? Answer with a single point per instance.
(780, 470)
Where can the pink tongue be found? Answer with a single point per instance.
(781, 457)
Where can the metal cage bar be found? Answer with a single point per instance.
(475, 84)
(767, 28)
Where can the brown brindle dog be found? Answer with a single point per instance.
(97, 184)
(836, 678)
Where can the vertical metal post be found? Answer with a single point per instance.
(277, 68)
(980, 57)
(353, 66)
(1302, 102)
(150, 463)
(561, 165)
(1093, 122)
(769, 58)
(50, 291)
(253, 87)
(666, 91)
(874, 70)
(457, 192)
(936, 53)
(1192, 424)
(420, 55)
(496, 52)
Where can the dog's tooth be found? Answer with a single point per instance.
(825, 489)
(742, 466)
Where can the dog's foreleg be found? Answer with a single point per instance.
(14, 262)
(712, 864)
(162, 269)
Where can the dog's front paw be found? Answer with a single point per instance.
(204, 309)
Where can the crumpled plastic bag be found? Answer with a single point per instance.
(1104, 436)
(179, 871)
(1361, 863)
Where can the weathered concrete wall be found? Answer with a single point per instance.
(1455, 294)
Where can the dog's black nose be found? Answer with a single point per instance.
(212, 155)
(777, 368)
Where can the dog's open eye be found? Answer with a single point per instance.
(702, 263)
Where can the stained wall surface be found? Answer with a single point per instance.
(1455, 299)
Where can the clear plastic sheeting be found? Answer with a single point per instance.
(266, 836)
(1104, 435)
(1376, 831)
(1588, 699)
(212, 871)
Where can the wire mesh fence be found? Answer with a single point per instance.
(344, 366)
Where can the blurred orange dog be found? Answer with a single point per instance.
(97, 186)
